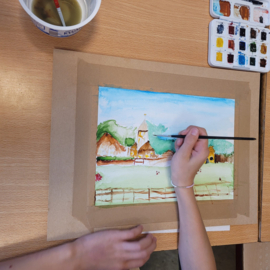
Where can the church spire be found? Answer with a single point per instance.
(143, 127)
(142, 133)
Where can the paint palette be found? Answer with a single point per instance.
(238, 46)
(238, 39)
(252, 11)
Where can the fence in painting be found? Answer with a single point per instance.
(118, 195)
(127, 196)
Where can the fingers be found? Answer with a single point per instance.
(200, 147)
(131, 233)
(138, 245)
(179, 141)
(143, 253)
(134, 264)
(200, 151)
(189, 142)
(138, 259)
(202, 131)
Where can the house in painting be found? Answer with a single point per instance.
(142, 136)
(109, 146)
(146, 151)
(211, 156)
(143, 148)
(133, 150)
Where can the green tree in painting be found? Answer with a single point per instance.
(222, 146)
(160, 145)
(129, 142)
(120, 133)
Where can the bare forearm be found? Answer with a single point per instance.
(61, 257)
(109, 249)
(195, 251)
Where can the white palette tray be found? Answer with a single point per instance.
(238, 46)
(238, 39)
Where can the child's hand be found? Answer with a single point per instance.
(114, 249)
(190, 154)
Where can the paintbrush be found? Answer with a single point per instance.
(209, 137)
(59, 12)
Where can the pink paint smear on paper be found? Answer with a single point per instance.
(98, 177)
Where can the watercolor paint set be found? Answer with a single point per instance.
(238, 39)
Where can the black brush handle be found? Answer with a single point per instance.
(217, 137)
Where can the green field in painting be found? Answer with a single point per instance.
(114, 176)
(212, 182)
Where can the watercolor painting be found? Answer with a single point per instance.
(133, 165)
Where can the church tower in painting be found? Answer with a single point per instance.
(142, 136)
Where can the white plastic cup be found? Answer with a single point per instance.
(89, 10)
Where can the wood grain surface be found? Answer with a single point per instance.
(265, 213)
(166, 31)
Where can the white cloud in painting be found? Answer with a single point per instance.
(103, 102)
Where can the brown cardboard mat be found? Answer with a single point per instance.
(76, 78)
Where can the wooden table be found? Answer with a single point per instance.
(156, 30)
(265, 211)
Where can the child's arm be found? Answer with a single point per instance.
(110, 250)
(195, 251)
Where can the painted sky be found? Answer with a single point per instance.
(174, 111)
